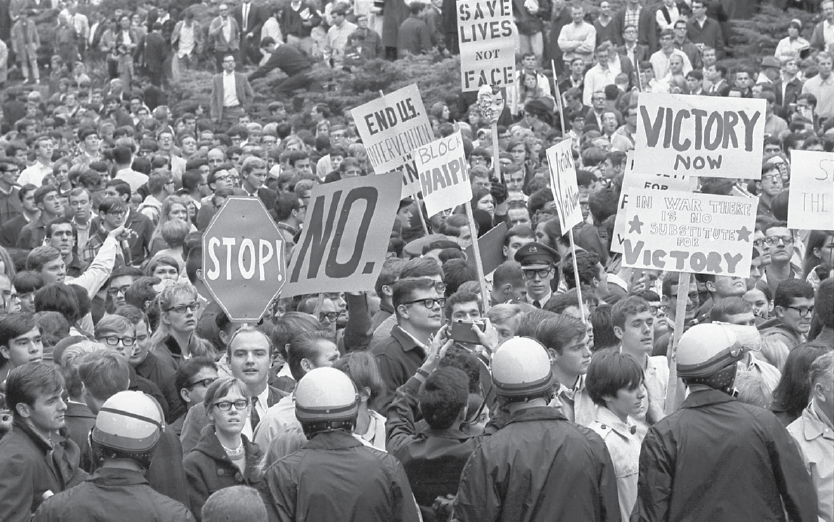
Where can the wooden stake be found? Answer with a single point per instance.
(671, 352)
(558, 97)
(576, 276)
(477, 252)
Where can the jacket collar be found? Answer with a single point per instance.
(44, 446)
(451, 433)
(117, 477)
(706, 398)
(405, 339)
(536, 414)
(333, 440)
(812, 425)
(210, 446)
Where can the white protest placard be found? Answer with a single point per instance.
(345, 236)
(444, 180)
(657, 182)
(686, 232)
(811, 202)
(706, 136)
(487, 43)
(391, 127)
(563, 184)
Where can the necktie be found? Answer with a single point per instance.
(245, 16)
(537, 304)
(254, 418)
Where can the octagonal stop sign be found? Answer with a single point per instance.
(243, 259)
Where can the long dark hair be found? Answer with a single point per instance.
(794, 389)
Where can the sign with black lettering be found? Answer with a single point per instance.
(345, 235)
(391, 127)
(704, 136)
(243, 259)
(487, 43)
(443, 174)
(563, 184)
(684, 232)
(656, 182)
(811, 203)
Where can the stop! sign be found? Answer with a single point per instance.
(243, 259)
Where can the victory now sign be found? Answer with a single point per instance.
(563, 184)
(391, 127)
(487, 44)
(443, 177)
(699, 233)
(345, 235)
(700, 136)
(811, 204)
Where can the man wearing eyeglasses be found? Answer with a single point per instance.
(538, 263)
(793, 309)
(118, 335)
(778, 243)
(418, 308)
(669, 299)
(769, 187)
(112, 213)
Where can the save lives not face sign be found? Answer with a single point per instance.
(243, 258)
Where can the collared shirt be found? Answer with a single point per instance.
(541, 301)
(815, 439)
(632, 17)
(822, 89)
(229, 90)
(187, 40)
(624, 447)
(83, 233)
(576, 403)
(335, 42)
(660, 63)
(34, 174)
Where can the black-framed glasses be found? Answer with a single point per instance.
(774, 239)
(541, 273)
(117, 213)
(118, 290)
(114, 340)
(194, 307)
(239, 405)
(204, 382)
(330, 316)
(803, 311)
(656, 309)
(429, 302)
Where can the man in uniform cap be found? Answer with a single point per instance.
(538, 262)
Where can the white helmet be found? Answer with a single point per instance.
(324, 396)
(128, 426)
(707, 353)
(521, 368)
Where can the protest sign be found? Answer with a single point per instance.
(656, 182)
(563, 184)
(243, 259)
(391, 127)
(490, 248)
(700, 136)
(487, 43)
(442, 168)
(345, 235)
(681, 231)
(811, 202)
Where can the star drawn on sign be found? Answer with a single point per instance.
(744, 234)
(635, 225)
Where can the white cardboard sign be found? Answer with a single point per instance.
(811, 202)
(444, 180)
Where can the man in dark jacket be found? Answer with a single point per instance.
(413, 36)
(336, 476)
(697, 463)
(125, 437)
(291, 62)
(154, 54)
(33, 466)
(538, 466)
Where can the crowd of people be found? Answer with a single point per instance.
(127, 392)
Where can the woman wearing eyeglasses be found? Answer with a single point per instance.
(175, 340)
(223, 457)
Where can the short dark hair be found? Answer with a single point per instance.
(587, 263)
(104, 374)
(26, 382)
(58, 297)
(14, 325)
(824, 303)
(790, 289)
(421, 267)
(604, 336)
(557, 331)
(456, 272)
(187, 371)
(458, 298)
(27, 281)
(304, 346)
(631, 305)
(405, 288)
(285, 203)
(610, 372)
(442, 397)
